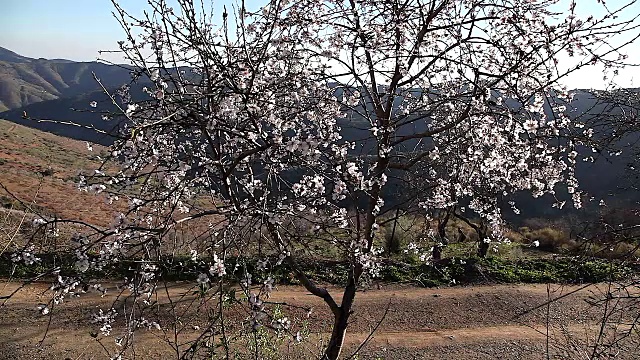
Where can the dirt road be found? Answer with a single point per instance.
(483, 322)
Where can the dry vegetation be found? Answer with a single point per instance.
(38, 177)
(40, 169)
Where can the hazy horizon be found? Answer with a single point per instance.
(59, 29)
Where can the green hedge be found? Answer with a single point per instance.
(449, 271)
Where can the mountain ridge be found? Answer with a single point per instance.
(8, 55)
(25, 81)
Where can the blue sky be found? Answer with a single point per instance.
(77, 29)
(59, 28)
(70, 29)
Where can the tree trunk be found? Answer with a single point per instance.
(341, 313)
(480, 229)
(436, 254)
(334, 348)
(461, 236)
(483, 246)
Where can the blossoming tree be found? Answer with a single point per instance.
(463, 82)
(239, 136)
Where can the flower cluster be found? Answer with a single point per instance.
(27, 256)
(104, 320)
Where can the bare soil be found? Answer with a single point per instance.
(480, 322)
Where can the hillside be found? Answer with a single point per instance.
(10, 56)
(41, 169)
(25, 81)
(75, 109)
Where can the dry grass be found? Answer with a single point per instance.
(40, 170)
(549, 239)
(25, 193)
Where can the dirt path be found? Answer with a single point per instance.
(483, 322)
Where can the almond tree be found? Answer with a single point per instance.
(463, 80)
(239, 137)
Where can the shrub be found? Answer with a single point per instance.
(407, 229)
(514, 236)
(550, 239)
(620, 250)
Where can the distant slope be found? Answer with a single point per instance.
(25, 81)
(8, 55)
(26, 154)
(74, 109)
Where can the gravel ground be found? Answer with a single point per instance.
(482, 322)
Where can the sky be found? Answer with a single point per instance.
(78, 29)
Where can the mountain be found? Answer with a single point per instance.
(73, 109)
(10, 56)
(24, 81)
